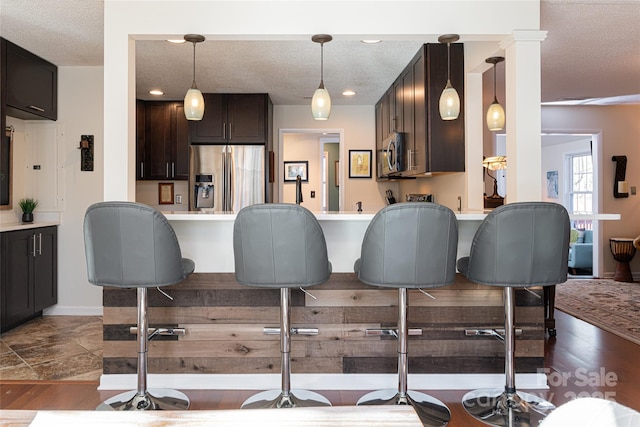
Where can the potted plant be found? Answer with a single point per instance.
(28, 205)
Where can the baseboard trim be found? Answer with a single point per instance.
(537, 381)
(58, 310)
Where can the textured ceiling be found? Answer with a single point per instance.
(592, 51)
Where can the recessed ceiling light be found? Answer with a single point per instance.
(176, 41)
(349, 92)
(156, 92)
(371, 41)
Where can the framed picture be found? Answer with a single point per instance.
(552, 184)
(337, 173)
(293, 169)
(359, 163)
(165, 193)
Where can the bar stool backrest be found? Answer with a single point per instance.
(410, 245)
(520, 244)
(131, 245)
(279, 246)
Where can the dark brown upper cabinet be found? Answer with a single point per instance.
(232, 119)
(31, 84)
(410, 106)
(439, 144)
(162, 147)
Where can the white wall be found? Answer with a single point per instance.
(80, 110)
(619, 127)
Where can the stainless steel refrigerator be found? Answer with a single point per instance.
(226, 178)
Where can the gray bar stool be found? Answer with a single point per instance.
(131, 245)
(281, 246)
(517, 245)
(409, 245)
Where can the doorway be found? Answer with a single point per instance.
(321, 150)
(572, 175)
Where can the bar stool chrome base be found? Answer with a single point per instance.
(496, 407)
(151, 400)
(278, 399)
(430, 410)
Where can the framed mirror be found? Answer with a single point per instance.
(5, 169)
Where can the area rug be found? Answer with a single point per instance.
(607, 304)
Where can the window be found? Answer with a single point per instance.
(580, 184)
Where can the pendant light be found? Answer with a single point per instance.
(495, 113)
(449, 99)
(321, 101)
(193, 100)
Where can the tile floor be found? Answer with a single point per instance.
(54, 348)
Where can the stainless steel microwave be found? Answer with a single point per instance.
(391, 155)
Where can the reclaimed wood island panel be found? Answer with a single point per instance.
(224, 328)
(224, 345)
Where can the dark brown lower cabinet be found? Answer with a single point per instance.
(29, 275)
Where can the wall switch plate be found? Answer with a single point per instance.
(178, 199)
(633, 190)
(313, 194)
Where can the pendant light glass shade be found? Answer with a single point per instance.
(449, 99)
(321, 104)
(193, 100)
(495, 113)
(321, 101)
(449, 103)
(194, 104)
(495, 116)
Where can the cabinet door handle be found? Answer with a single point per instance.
(224, 131)
(33, 240)
(230, 133)
(167, 172)
(35, 107)
(410, 158)
(39, 243)
(173, 170)
(141, 169)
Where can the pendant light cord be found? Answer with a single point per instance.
(193, 85)
(322, 65)
(495, 98)
(448, 62)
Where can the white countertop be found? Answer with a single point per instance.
(14, 226)
(355, 216)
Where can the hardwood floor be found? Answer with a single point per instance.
(582, 361)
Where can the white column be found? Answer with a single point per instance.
(119, 112)
(474, 121)
(524, 122)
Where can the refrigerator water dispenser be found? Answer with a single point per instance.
(203, 192)
(203, 196)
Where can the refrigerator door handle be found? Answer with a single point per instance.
(226, 177)
(230, 168)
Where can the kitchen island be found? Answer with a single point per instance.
(224, 321)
